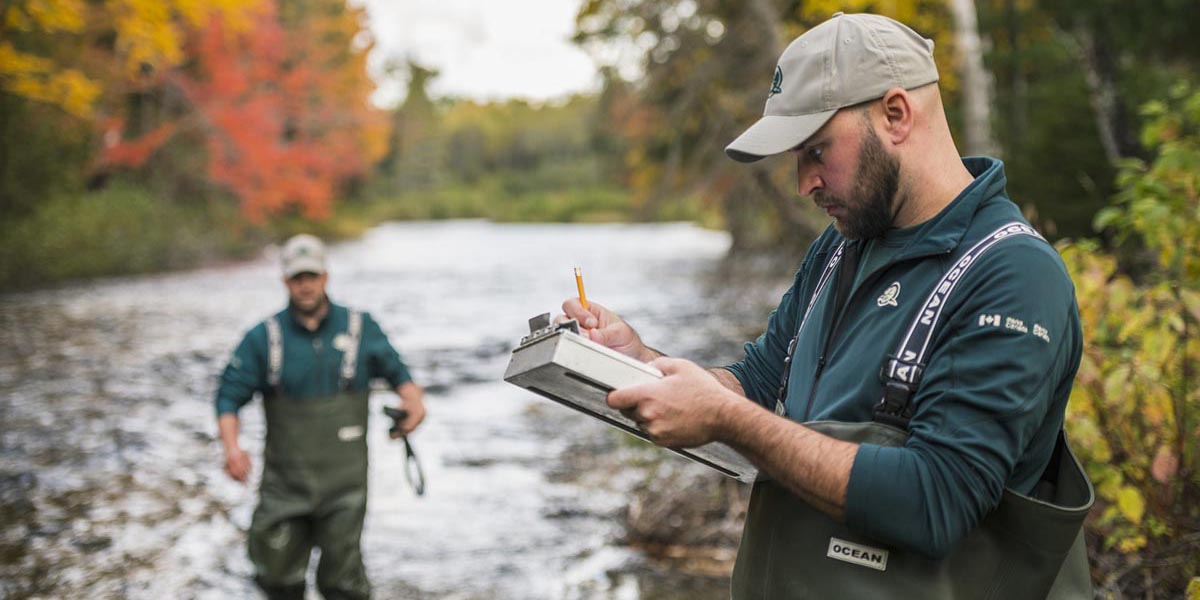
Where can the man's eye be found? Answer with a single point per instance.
(815, 153)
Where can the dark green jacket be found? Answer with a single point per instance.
(995, 387)
(312, 361)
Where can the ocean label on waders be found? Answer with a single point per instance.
(556, 362)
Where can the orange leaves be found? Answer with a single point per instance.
(280, 110)
(132, 153)
(275, 136)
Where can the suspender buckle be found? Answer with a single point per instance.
(900, 380)
(894, 407)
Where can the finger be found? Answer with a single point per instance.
(411, 423)
(573, 309)
(668, 365)
(671, 366)
(623, 398)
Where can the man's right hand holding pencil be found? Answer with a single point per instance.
(604, 327)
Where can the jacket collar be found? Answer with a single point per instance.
(944, 232)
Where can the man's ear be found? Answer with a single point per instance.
(899, 115)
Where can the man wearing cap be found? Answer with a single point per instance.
(917, 371)
(312, 363)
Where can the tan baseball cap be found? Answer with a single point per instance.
(844, 61)
(303, 253)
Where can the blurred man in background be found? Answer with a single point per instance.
(312, 363)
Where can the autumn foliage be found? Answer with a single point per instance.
(281, 109)
(1135, 409)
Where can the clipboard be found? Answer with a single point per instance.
(556, 362)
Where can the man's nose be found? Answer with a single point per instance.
(808, 180)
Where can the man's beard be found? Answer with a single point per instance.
(869, 211)
(309, 310)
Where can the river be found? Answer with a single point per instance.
(110, 471)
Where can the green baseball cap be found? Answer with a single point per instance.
(844, 61)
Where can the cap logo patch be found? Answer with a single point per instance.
(776, 82)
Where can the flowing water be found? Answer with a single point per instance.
(110, 472)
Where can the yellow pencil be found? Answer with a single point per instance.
(579, 284)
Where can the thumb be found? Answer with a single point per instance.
(668, 366)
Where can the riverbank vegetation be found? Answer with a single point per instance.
(140, 135)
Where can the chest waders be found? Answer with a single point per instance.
(314, 484)
(1029, 547)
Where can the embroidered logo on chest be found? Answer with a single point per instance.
(890, 295)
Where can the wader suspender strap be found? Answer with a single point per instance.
(780, 407)
(350, 355)
(901, 372)
(274, 352)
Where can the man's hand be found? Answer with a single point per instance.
(237, 464)
(681, 410)
(413, 403)
(604, 327)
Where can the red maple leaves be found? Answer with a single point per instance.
(280, 118)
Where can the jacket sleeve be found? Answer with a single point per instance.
(382, 359)
(245, 374)
(993, 391)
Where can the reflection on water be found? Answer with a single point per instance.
(110, 479)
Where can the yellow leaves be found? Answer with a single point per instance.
(1191, 301)
(1123, 409)
(1116, 383)
(1131, 504)
(39, 78)
(146, 34)
(1132, 543)
(151, 33)
(36, 78)
(1193, 589)
(51, 16)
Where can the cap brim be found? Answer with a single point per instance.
(773, 134)
(304, 265)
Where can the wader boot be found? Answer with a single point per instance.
(314, 493)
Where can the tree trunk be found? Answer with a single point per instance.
(1018, 121)
(1099, 70)
(976, 81)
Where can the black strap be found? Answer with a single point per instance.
(412, 467)
(841, 291)
(780, 396)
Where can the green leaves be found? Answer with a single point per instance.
(1135, 409)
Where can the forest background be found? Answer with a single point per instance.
(140, 135)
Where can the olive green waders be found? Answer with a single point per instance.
(314, 493)
(1027, 548)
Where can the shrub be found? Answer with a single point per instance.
(1135, 410)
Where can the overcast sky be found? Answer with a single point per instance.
(483, 49)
